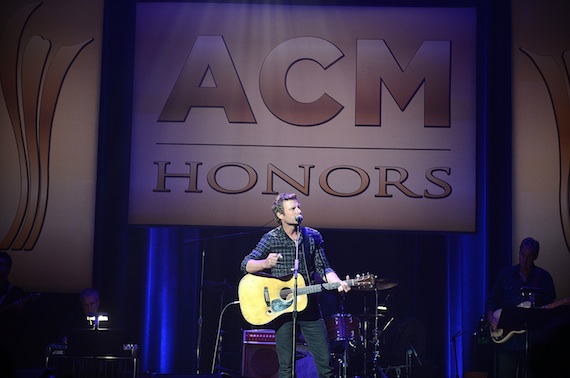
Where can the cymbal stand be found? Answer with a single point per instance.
(344, 360)
(365, 341)
(377, 368)
(344, 333)
(376, 334)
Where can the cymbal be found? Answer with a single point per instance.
(379, 284)
(384, 284)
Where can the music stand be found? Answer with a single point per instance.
(523, 319)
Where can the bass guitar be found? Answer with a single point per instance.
(501, 335)
(263, 298)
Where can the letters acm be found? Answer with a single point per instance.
(375, 64)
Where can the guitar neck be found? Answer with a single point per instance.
(557, 303)
(312, 289)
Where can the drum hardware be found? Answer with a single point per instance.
(379, 284)
(381, 313)
(361, 338)
(341, 327)
(376, 334)
(385, 284)
(343, 331)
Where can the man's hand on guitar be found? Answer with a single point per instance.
(493, 321)
(333, 277)
(344, 286)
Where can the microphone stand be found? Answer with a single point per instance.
(200, 310)
(217, 348)
(201, 293)
(295, 289)
(454, 338)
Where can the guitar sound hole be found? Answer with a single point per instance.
(286, 294)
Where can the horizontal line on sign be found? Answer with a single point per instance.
(307, 147)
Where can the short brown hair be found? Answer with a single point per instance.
(278, 204)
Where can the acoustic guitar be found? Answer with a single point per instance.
(263, 298)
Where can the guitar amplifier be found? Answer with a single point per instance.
(259, 357)
(255, 336)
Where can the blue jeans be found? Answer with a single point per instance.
(315, 335)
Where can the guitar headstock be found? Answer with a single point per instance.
(364, 281)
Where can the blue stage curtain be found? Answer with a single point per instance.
(170, 316)
(466, 282)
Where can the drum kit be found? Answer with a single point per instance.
(358, 342)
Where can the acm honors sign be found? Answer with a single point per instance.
(367, 113)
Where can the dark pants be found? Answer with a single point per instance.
(511, 364)
(315, 335)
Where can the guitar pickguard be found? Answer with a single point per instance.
(278, 305)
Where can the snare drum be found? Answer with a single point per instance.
(341, 327)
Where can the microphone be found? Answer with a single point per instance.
(299, 218)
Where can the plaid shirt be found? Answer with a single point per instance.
(277, 241)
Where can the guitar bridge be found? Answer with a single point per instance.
(267, 300)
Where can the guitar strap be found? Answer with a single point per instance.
(313, 310)
(307, 254)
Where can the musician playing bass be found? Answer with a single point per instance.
(275, 254)
(524, 285)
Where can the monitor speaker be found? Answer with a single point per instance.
(260, 361)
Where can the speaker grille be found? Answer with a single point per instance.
(260, 361)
